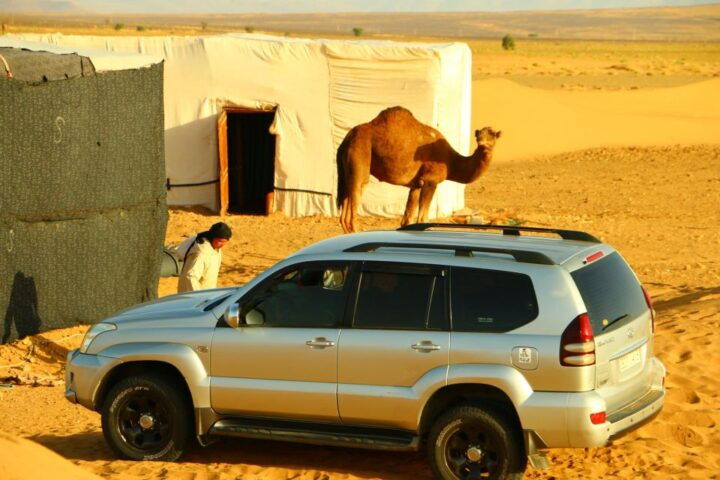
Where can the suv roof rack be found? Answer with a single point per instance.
(506, 229)
(523, 256)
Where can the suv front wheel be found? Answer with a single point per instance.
(146, 418)
(469, 442)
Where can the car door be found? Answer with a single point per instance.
(282, 360)
(397, 348)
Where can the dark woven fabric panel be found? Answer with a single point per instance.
(82, 203)
(37, 67)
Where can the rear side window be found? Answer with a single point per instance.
(491, 300)
(400, 300)
(612, 294)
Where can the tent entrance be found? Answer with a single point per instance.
(247, 161)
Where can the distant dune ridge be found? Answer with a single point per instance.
(541, 122)
(481, 19)
(314, 6)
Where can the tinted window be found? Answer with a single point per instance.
(491, 301)
(398, 301)
(610, 292)
(437, 317)
(307, 297)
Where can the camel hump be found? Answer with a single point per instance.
(394, 114)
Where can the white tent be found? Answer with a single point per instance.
(314, 91)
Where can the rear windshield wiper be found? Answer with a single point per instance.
(606, 325)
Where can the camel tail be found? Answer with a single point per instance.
(341, 184)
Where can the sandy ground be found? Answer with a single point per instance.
(23, 459)
(657, 204)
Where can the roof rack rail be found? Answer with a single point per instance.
(506, 229)
(523, 256)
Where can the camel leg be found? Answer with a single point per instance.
(359, 158)
(344, 214)
(354, 203)
(350, 204)
(426, 195)
(411, 207)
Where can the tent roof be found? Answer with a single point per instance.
(37, 67)
(102, 60)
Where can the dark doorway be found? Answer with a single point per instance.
(250, 161)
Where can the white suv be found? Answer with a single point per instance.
(484, 347)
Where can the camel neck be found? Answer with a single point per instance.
(464, 169)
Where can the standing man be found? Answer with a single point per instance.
(203, 258)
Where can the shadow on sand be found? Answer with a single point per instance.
(683, 300)
(22, 310)
(91, 446)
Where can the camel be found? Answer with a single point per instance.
(398, 149)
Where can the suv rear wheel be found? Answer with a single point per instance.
(146, 418)
(469, 442)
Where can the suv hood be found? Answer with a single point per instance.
(188, 304)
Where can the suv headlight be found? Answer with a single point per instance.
(94, 331)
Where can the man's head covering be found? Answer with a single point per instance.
(220, 230)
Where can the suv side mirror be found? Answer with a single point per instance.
(232, 316)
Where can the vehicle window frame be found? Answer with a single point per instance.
(438, 271)
(261, 287)
(455, 268)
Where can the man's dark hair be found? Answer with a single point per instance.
(218, 230)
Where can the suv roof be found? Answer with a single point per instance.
(524, 248)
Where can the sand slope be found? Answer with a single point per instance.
(26, 460)
(542, 122)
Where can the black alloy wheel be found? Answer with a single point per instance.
(147, 417)
(472, 443)
(143, 421)
(471, 453)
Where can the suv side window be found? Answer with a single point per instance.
(307, 296)
(491, 300)
(400, 297)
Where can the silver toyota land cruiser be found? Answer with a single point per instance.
(486, 348)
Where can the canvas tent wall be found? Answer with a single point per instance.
(82, 203)
(316, 90)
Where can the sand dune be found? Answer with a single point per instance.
(26, 460)
(542, 122)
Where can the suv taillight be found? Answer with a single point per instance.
(577, 345)
(648, 300)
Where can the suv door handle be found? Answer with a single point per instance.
(320, 342)
(425, 346)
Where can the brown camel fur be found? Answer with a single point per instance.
(396, 148)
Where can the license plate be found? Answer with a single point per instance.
(630, 360)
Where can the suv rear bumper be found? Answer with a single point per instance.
(636, 414)
(542, 413)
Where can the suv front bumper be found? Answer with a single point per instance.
(83, 374)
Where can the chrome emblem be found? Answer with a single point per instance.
(631, 333)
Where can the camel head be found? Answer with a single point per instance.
(486, 137)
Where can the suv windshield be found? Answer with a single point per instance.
(611, 293)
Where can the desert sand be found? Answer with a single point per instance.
(637, 168)
(24, 459)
